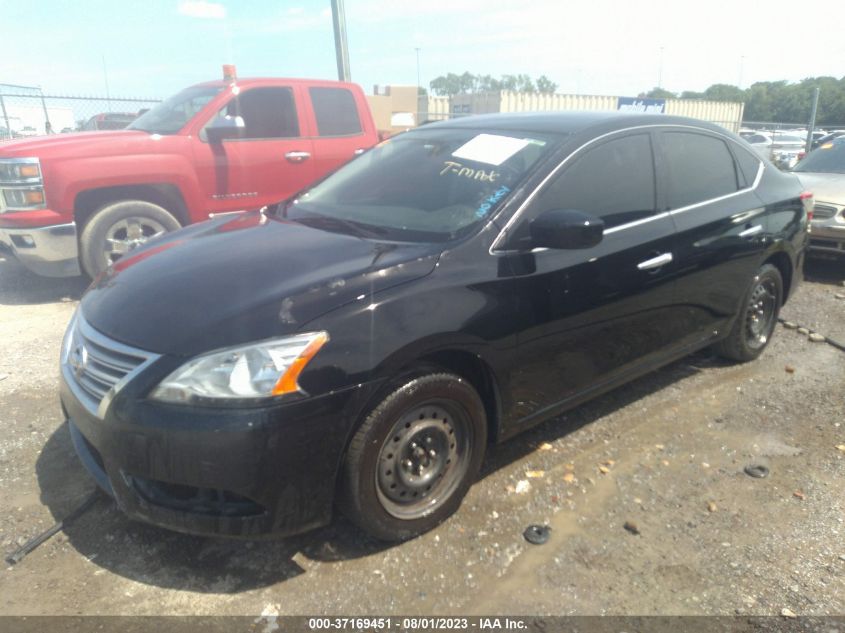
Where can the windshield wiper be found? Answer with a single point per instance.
(342, 225)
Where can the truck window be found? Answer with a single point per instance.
(336, 112)
(267, 113)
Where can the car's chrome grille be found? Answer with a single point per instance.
(95, 366)
(823, 211)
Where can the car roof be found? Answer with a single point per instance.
(569, 122)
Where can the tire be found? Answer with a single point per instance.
(410, 464)
(756, 319)
(125, 225)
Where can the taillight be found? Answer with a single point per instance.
(807, 201)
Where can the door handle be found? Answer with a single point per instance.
(297, 157)
(754, 230)
(655, 262)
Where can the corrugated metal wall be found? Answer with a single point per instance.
(726, 114)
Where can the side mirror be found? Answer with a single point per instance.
(223, 127)
(566, 228)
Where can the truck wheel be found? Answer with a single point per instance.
(415, 456)
(757, 317)
(118, 228)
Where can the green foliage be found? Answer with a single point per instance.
(660, 93)
(780, 101)
(451, 84)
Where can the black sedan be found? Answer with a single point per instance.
(360, 345)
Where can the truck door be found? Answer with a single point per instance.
(338, 129)
(270, 162)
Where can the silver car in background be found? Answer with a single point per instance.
(822, 171)
(783, 149)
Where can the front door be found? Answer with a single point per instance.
(599, 313)
(270, 162)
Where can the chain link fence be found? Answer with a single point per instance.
(27, 111)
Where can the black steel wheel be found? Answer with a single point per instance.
(753, 327)
(415, 456)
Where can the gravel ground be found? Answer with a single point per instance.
(663, 456)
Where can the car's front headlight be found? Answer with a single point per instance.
(248, 372)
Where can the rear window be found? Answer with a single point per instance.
(828, 158)
(700, 168)
(336, 112)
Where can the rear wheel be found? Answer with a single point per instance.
(415, 456)
(117, 229)
(757, 318)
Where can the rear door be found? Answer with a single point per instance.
(595, 314)
(338, 130)
(269, 163)
(721, 225)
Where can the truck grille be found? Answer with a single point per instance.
(96, 367)
(823, 211)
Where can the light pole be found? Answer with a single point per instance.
(417, 49)
(341, 49)
(660, 70)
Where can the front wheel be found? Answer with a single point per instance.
(757, 317)
(415, 456)
(118, 228)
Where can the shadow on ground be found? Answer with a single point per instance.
(18, 286)
(825, 271)
(168, 559)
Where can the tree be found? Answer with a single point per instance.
(660, 93)
(545, 85)
(724, 92)
(451, 84)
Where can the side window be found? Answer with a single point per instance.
(699, 168)
(267, 112)
(757, 138)
(614, 181)
(749, 164)
(336, 112)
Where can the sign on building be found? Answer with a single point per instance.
(643, 105)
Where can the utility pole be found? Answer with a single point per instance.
(660, 70)
(340, 47)
(417, 48)
(106, 79)
(809, 144)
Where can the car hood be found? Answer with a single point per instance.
(825, 187)
(230, 281)
(83, 144)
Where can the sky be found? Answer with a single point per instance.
(153, 48)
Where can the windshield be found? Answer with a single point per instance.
(827, 158)
(426, 186)
(171, 115)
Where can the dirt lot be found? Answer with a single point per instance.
(711, 539)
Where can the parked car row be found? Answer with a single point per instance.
(823, 172)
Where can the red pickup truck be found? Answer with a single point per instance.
(77, 202)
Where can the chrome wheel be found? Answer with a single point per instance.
(423, 460)
(128, 234)
(760, 313)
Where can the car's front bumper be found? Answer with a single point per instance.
(51, 251)
(827, 234)
(227, 472)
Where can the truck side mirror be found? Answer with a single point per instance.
(566, 228)
(223, 127)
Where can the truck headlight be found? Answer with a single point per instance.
(19, 171)
(248, 372)
(28, 198)
(21, 185)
